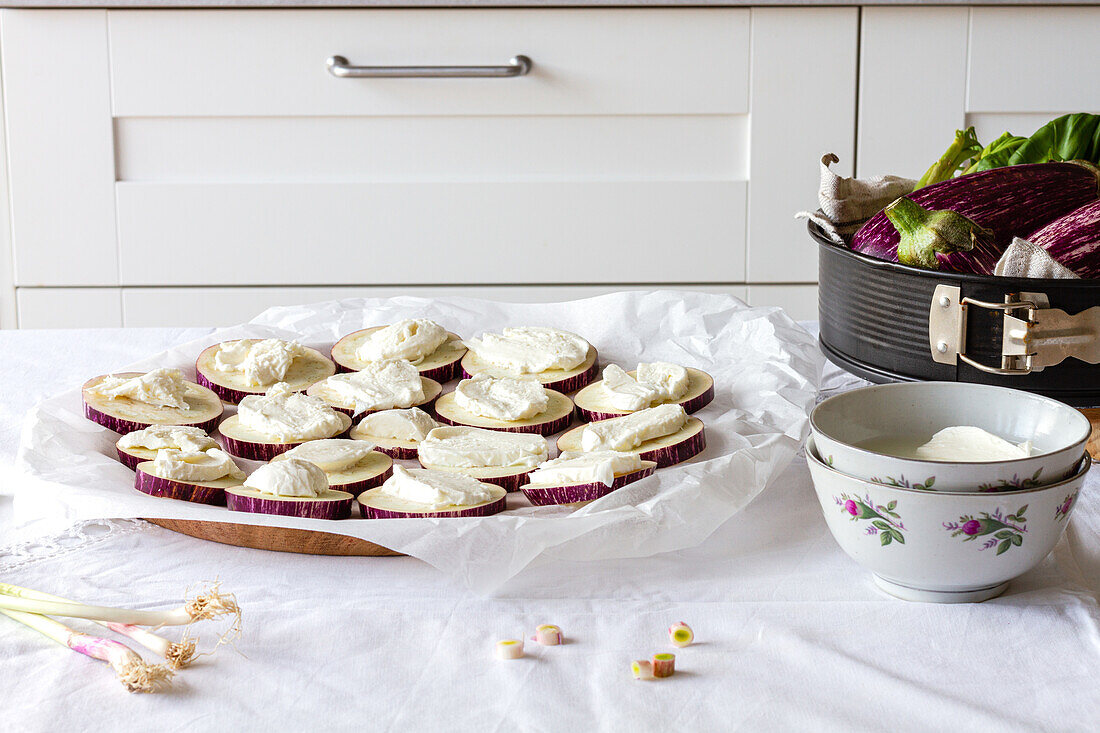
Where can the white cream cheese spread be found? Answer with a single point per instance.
(195, 466)
(651, 383)
(670, 380)
(460, 447)
(154, 437)
(261, 362)
(292, 477)
(571, 468)
(623, 392)
(411, 424)
(502, 398)
(434, 489)
(285, 415)
(159, 388)
(969, 444)
(413, 339)
(332, 455)
(629, 431)
(530, 349)
(380, 385)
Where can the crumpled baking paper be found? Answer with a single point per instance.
(766, 371)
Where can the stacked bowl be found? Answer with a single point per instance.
(945, 531)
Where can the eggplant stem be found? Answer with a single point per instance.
(923, 233)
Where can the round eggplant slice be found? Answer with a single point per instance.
(124, 415)
(555, 418)
(593, 404)
(312, 366)
(401, 450)
(323, 392)
(547, 494)
(371, 471)
(562, 380)
(441, 365)
(509, 478)
(668, 450)
(373, 505)
(245, 443)
(331, 504)
(200, 492)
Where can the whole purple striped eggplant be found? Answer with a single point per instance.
(965, 224)
(1074, 240)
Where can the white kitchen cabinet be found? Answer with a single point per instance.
(70, 308)
(927, 71)
(213, 150)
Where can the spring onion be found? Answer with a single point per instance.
(207, 605)
(134, 674)
(509, 649)
(178, 653)
(642, 669)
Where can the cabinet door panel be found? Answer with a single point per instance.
(803, 104)
(60, 147)
(1034, 60)
(912, 87)
(428, 233)
(69, 307)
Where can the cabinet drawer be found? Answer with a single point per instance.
(272, 63)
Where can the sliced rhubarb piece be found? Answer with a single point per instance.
(547, 494)
(312, 366)
(555, 418)
(124, 415)
(326, 394)
(331, 504)
(593, 403)
(368, 473)
(200, 492)
(442, 365)
(375, 505)
(509, 478)
(565, 381)
(245, 443)
(667, 450)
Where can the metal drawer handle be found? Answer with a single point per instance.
(339, 66)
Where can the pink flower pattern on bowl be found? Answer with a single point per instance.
(1007, 530)
(1065, 507)
(884, 521)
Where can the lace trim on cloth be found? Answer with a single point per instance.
(77, 538)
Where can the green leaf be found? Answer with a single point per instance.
(996, 154)
(1004, 534)
(884, 539)
(898, 536)
(931, 480)
(1021, 510)
(1035, 476)
(895, 515)
(881, 525)
(1003, 547)
(1017, 540)
(1069, 137)
(892, 505)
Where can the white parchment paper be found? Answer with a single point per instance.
(766, 371)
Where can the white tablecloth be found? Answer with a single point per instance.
(792, 634)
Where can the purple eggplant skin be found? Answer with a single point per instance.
(1074, 240)
(964, 224)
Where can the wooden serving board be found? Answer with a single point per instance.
(1093, 446)
(278, 539)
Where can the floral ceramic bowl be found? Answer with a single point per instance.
(943, 547)
(863, 433)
